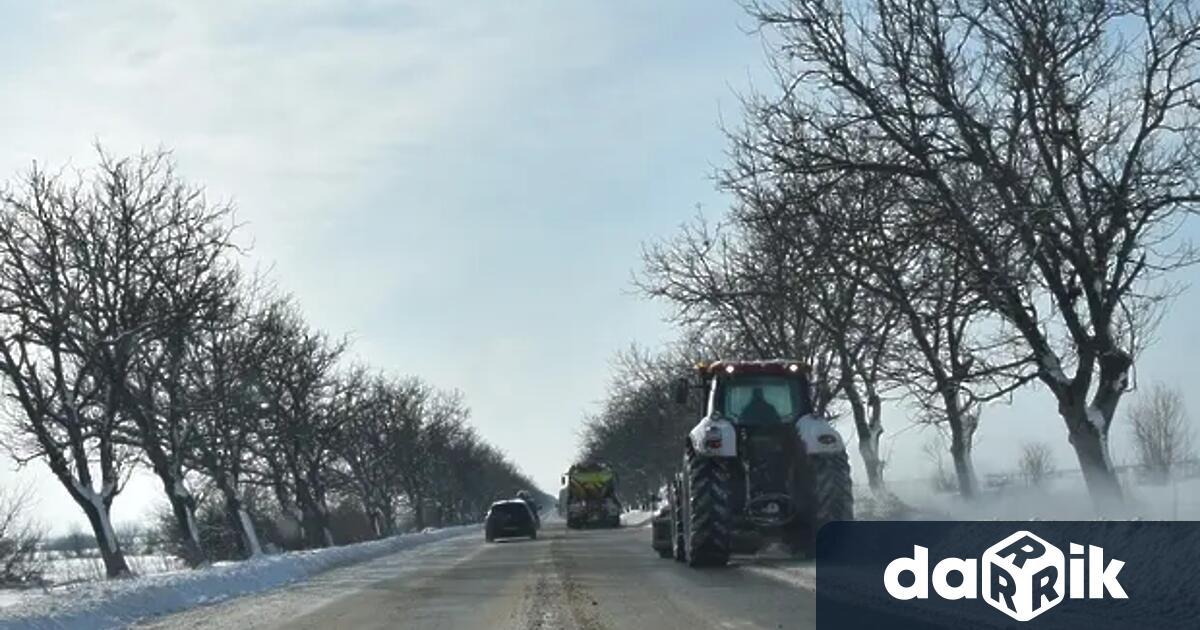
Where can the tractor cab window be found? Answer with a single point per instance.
(759, 399)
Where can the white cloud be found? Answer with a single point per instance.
(308, 93)
(291, 108)
(421, 173)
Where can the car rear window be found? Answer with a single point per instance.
(511, 509)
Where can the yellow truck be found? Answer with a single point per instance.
(589, 496)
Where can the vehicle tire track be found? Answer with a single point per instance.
(583, 606)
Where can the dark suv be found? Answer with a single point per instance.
(510, 519)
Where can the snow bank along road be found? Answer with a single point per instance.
(575, 580)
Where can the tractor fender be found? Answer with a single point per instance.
(819, 437)
(704, 437)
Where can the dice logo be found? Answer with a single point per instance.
(1023, 576)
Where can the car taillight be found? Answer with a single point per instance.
(827, 438)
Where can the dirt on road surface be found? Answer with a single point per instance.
(568, 579)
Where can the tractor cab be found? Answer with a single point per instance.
(752, 393)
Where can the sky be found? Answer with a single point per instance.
(462, 188)
(463, 191)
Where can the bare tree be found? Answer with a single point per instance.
(20, 564)
(446, 442)
(1054, 140)
(408, 443)
(939, 351)
(1161, 431)
(222, 372)
(638, 428)
(127, 335)
(62, 403)
(894, 313)
(1036, 463)
(935, 452)
(379, 413)
(298, 433)
(156, 256)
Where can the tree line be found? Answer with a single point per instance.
(131, 338)
(940, 202)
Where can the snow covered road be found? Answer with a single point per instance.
(117, 603)
(582, 580)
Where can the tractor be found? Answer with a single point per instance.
(760, 467)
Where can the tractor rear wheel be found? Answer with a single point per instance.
(829, 498)
(707, 525)
(832, 491)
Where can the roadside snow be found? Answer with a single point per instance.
(635, 518)
(797, 575)
(1064, 499)
(12, 597)
(117, 603)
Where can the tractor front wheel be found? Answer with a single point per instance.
(678, 544)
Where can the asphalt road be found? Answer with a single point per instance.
(576, 580)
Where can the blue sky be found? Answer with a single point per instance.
(462, 190)
(462, 187)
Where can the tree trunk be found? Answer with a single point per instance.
(389, 522)
(110, 548)
(183, 508)
(962, 434)
(376, 525)
(1088, 424)
(316, 533)
(315, 518)
(312, 520)
(239, 521)
(868, 428)
(868, 448)
(418, 508)
(964, 468)
(249, 533)
(1091, 448)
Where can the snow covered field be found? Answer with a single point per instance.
(61, 570)
(1063, 498)
(117, 603)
